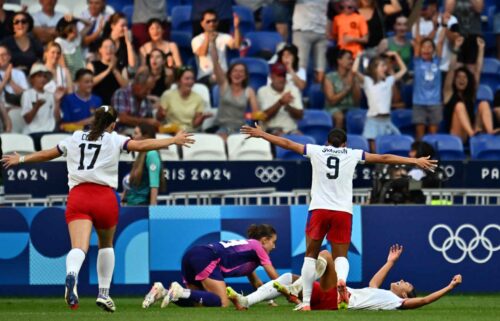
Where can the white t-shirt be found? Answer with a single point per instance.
(58, 81)
(40, 19)
(101, 158)
(205, 66)
(379, 95)
(18, 77)
(332, 175)
(301, 73)
(310, 15)
(44, 120)
(267, 97)
(373, 299)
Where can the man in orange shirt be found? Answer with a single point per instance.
(350, 29)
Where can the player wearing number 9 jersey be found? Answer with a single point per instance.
(330, 211)
(92, 161)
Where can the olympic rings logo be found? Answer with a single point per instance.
(270, 174)
(466, 248)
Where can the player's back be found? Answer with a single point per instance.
(373, 299)
(332, 174)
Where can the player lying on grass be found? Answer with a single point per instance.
(401, 294)
(204, 268)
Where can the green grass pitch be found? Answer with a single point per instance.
(453, 308)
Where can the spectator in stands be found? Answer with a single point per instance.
(341, 87)
(108, 77)
(210, 37)
(398, 43)
(427, 103)
(283, 13)
(369, 10)
(70, 40)
(392, 9)
(295, 75)
(428, 20)
(45, 21)
(40, 109)
(133, 105)
(468, 13)
(281, 102)
(77, 108)
(155, 30)
(162, 74)
(5, 121)
(459, 95)
(61, 77)
(24, 48)
(256, 7)
(5, 21)
(309, 33)
(223, 10)
(182, 106)
(144, 11)
(377, 85)
(96, 14)
(117, 30)
(350, 29)
(146, 176)
(12, 80)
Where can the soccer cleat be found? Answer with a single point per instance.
(156, 293)
(292, 298)
(320, 267)
(302, 307)
(343, 298)
(105, 303)
(70, 294)
(174, 293)
(239, 301)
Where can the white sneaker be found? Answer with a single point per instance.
(320, 267)
(174, 293)
(156, 293)
(302, 307)
(105, 303)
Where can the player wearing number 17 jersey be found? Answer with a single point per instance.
(92, 160)
(330, 211)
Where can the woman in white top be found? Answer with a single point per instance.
(156, 31)
(92, 160)
(290, 58)
(61, 76)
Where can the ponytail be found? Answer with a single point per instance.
(103, 117)
(257, 232)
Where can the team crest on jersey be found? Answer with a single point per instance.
(152, 167)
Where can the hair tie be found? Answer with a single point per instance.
(106, 108)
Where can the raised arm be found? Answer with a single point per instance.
(220, 76)
(181, 138)
(422, 162)
(355, 68)
(415, 303)
(41, 156)
(448, 82)
(480, 59)
(276, 140)
(379, 277)
(237, 34)
(402, 67)
(440, 42)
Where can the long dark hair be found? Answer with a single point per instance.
(245, 82)
(468, 96)
(113, 19)
(103, 117)
(293, 50)
(259, 231)
(372, 68)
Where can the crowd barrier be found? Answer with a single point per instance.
(439, 242)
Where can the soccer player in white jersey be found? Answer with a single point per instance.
(92, 161)
(330, 211)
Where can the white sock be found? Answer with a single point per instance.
(267, 291)
(342, 268)
(298, 282)
(308, 273)
(105, 268)
(186, 293)
(74, 261)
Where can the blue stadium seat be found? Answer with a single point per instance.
(317, 124)
(181, 19)
(268, 21)
(491, 66)
(357, 142)
(402, 119)
(258, 70)
(407, 95)
(183, 41)
(119, 4)
(355, 121)
(215, 96)
(286, 154)
(448, 147)
(247, 21)
(316, 97)
(485, 147)
(263, 43)
(128, 11)
(484, 93)
(393, 144)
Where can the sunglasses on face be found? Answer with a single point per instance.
(21, 21)
(211, 21)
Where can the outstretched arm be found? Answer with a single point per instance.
(379, 277)
(41, 156)
(182, 138)
(276, 140)
(422, 162)
(415, 303)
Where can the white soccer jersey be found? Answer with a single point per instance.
(373, 299)
(93, 161)
(332, 175)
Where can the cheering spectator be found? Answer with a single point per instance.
(45, 21)
(283, 13)
(392, 9)
(144, 11)
(373, 17)
(5, 21)
(341, 88)
(377, 85)
(182, 106)
(70, 40)
(78, 107)
(468, 13)
(133, 105)
(398, 43)
(12, 80)
(295, 75)
(61, 77)
(40, 109)
(281, 103)
(459, 95)
(309, 33)
(155, 30)
(117, 30)
(107, 76)
(210, 37)
(223, 10)
(25, 49)
(96, 14)
(350, 29)
(5, 121)
(428, 24)
(162, 73)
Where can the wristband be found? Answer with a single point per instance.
(21, 159)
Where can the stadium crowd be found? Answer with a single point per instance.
(411, 67)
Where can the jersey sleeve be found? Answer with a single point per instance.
(261, 253)
(62, 147)
(121, 141)
(359, 155)
(310, 150)
(153, 164)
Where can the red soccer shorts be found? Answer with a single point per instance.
(93, 202)
(323, 300)
(335, 225)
